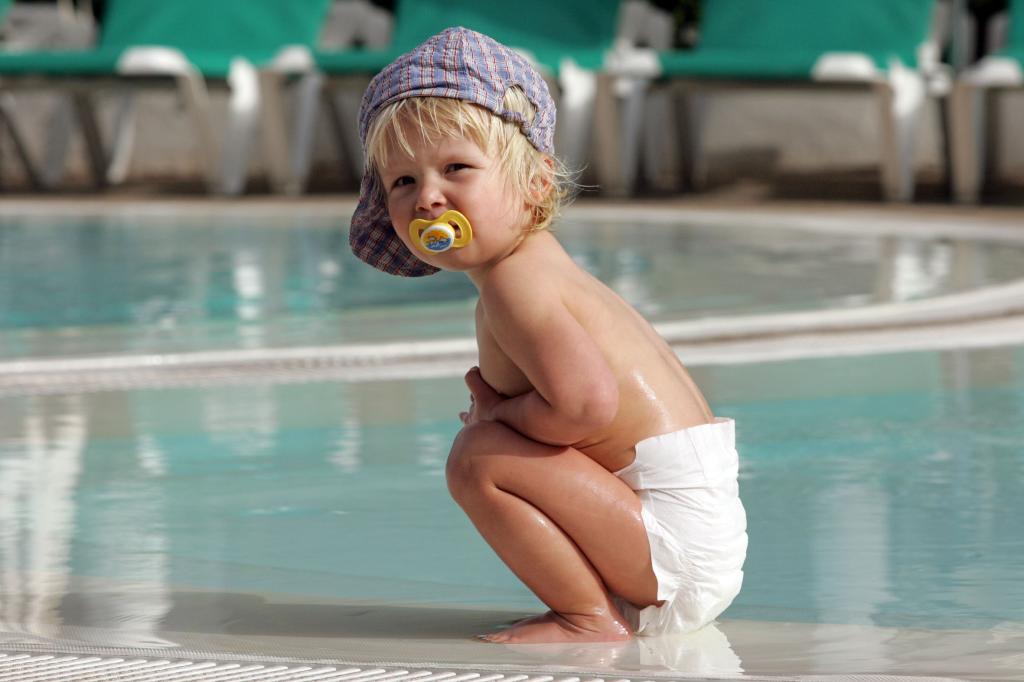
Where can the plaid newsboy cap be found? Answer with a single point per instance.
(456, 63)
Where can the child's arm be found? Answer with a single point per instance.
(575, 391)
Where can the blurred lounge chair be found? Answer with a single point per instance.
(5, 6)
(567, 41)
(183, 43)
(973, 110)
(888, 46)
(7, 116)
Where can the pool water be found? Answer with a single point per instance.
(881, 491)
(131, 283)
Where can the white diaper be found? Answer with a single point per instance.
(695, 522)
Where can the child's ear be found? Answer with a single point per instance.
(541, 183)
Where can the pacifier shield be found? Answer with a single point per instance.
(439, 234)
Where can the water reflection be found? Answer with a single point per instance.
(705, 653)
(37, 512)
(178, 284)
(912, 269)
(241, 419)
(138, 284)
(345, 455)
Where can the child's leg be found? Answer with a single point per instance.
(565, 525)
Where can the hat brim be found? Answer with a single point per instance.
(373, 240)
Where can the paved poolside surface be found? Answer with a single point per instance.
(240, 627)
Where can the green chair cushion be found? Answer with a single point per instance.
(104, 62)
(1016, 53)
(217, 64)
(358, 61)
(753, 64)
(209, 34)
(242, 27)
(776, 39)
(60, 63)
(582, 30)
(349, 62)
(834, 26)
(570, 24)
(1015, 37)
(551, 58)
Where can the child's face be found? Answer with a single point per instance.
(455, 174)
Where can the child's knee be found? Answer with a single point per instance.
(466, 468)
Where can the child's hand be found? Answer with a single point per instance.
(482, 398)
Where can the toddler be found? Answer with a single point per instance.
(588, 460)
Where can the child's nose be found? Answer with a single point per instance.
(429, 198)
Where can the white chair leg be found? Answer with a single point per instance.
(607, 133)
(85, 111)
(902, 99)
(339, 135)
(308, 90)
(273, 128)
(967, 121)
(197, 101)
(377, 25)
(7, 120)
(575, 112)
(691, 109)
(346, 112)
(889, 141)
(58, 140)
(992, 156)
(660, 150)
(618, 117)
(243, 120)
(120, 155)
(632, 94)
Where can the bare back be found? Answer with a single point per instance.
(656, 393)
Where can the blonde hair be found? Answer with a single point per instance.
(435, 118)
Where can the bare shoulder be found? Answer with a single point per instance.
(520, 285)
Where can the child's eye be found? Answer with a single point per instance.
(456, 166)
(402, 181)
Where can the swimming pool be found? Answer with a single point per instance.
(883, 492)
(310, 520)
(143, 281)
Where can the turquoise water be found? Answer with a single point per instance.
(883, 490)
(137, 282)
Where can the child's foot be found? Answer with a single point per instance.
(553, 627)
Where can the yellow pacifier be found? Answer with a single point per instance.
(450, 230)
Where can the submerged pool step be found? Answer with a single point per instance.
(986, 317)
